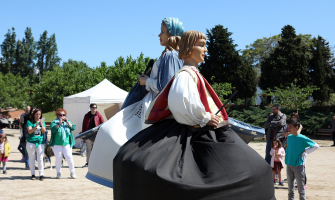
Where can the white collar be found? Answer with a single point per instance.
(192, 67)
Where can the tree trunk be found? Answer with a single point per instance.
(268, 99)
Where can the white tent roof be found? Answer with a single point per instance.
(104, 92)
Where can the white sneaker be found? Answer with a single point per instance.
(73, 175)
(59, 175)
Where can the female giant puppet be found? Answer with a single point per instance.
(180, 156)
(129, 121)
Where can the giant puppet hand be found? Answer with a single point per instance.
(214, 120)
(143, 79)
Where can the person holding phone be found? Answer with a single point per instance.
(35, 143)
(62, 141)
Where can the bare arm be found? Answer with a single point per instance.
(31, 129)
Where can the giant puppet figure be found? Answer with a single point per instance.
(130, 120)
(189, 153)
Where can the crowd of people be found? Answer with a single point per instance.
(34, 138)
(285, 143)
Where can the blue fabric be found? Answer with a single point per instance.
(26, 156)
(296, 145)
(100, 180)
(45, 137)
(134, 95)
(65, 129)
(169, 65)
(174, 26)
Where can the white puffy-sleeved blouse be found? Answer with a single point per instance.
(184, 101)
(151, 84)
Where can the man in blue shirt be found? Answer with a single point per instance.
(296, 147)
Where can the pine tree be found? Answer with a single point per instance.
(19, 65)
(52, 58)
(8, 51)
(42, 51)
(320, 68)
(223, 63)
(222, 58)
(288, 62)
(246, 82)
(47, 53)
(29, 52)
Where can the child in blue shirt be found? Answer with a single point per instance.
(296, 147)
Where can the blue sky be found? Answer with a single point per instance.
(96, 31)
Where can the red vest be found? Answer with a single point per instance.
(159, 110)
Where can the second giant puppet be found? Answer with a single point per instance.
(189, 153)
(129, 121)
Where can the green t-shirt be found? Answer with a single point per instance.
(56, 134)
(296, 146)
(59, 141)
(37, 136)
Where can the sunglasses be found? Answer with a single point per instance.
(61, 115)
(94, 107)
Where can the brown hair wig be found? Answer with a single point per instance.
(172, 44)
(187, 42)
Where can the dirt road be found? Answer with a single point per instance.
(16, 184)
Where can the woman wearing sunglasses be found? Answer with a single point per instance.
(62, 141)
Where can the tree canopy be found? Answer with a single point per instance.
(226, 65)
(288, 62)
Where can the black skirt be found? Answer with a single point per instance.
(167, 161)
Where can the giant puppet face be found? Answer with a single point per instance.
(164, 35)
(199, 51)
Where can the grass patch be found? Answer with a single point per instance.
(49, 116)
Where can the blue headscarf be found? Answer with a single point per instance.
(174, 26)
(168, 66)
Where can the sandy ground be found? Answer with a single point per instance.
(16, 184)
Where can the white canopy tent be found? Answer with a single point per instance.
(106, 95)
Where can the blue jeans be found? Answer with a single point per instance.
(297, 173)
(26, 155)
(267, 152)
(21, 149)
